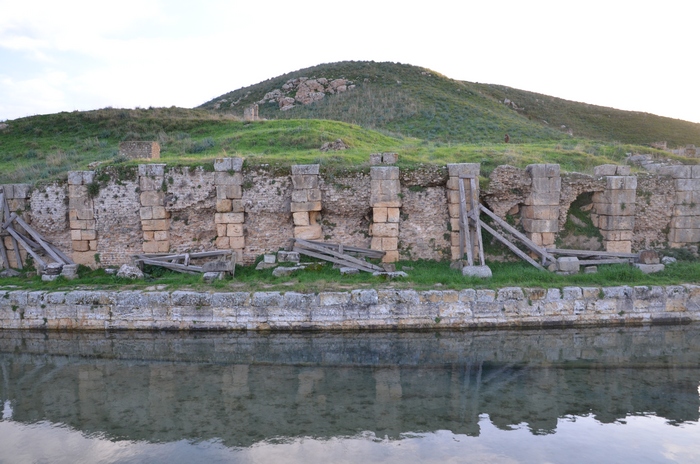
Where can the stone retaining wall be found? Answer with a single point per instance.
(353, 310)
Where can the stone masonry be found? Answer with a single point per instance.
(540, 212)
(385, 201)
(139, 150)
(17, 197)
(306, 202)
(614, 208)
(81, 214)
(155, 220)
(230, 212)
(685, 221)
(455, 171)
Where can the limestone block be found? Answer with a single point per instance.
(305, 169)
(616, 235)
(621, 246)
(314, 194)
(463, 169)
(453, 210)
(311, 232)
(540, 212)
(454, 239)
(229, 218)
(542, 199)
(453, 196)
(568, 264)
(684, 235)
(150, 183)
(86, 258)
(228, 164)
(221, 230)
(306, 206)
(384, 173)
(159, 212)
(224, 178)
(76, 234)
(80, 245)
(379, 214)
(376, 243)
(620, 209)
(454, 224)
(234, 230)
(384, 230)
(393, 215)
(548, 238)
(155, 224)
(540, 225)
(223, 206)
(237, 206)
(687, 184)
(150, 247)
(82, 224)
(623, 171)
(390, 158)
(546, 184)
(301, 218)
(483, 272)
(161, 235)
(301, 181)
(76, 191)
(146, 212)
(300, 196)
(649, 257)
(687, 210)
(543, 170)
(236, 243)
(621, 183)
(151, 170)
(685, 222)
(649, 268)
(390, 256)
(535, 237)
(152, 198)
(149, 235)
(385, 192)
(88, 235)
(85, 213)
(605, 170)
(21, 191)
(390, 243)
(375, 159)
(74, 178)
(222, 243)
(616, 222)
(232, 192)
(695, 171)
(687, 197)
(677, 172)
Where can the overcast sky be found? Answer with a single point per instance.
(82, 55)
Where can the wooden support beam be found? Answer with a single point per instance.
(595, 262)
(512, 247)
(475, 218)
(332, 259)
(348, 249)
(517, 234)
(613, 254)
(41, 264)
(330, 254)
(173, 266)
(3, 255)
(36, 236)
(464, 232)
(6, 216)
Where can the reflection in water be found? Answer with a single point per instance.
(420, 396)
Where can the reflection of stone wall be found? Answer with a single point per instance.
(246, 388)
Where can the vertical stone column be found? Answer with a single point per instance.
(540, 215)
(614, 209)
(155, 220)
(17, 197)
(386, 204)
(81, 216)
(306, 201)
(685, 222)
(455, 170)
(230, 212)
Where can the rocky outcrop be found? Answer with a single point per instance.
(304, 90)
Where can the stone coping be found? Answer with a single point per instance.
(351, 310)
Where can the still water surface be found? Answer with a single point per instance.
(574, 395)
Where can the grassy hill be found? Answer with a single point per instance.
(421, 103)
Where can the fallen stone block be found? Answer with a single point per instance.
(129, 272)
(649, 268)
(349, 271)
(477, 271)
(285, 271)
(209, 277)
(649, 257)
(568, 264)
(288, 256)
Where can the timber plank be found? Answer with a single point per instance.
(517, 234)
(512, 247)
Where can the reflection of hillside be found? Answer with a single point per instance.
(243, 403)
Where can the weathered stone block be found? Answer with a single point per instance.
(88, 235)
(80, 245)
(151, 170)
(155, 224)
(379, 215)
(228, 164)
(390, 243)
(616, 222)
(148, 235)
(305, 181)
(225, 178)
(161, 235)
(222, 242)
(152, 198)
(605, 170)
(306, 206)
(236, 243)
(311, 232)
(621, 183)
(677, 172)
(546, 184)
(384, 173)
(229, 218)
(540, 225)
(234, 230)
(540, 212)
(150, 247)
(684, 235)
(568, 264)
(617, 235)
(687, 184)
(384, 229)
(390, 256)
(620, 209)
(146, 212)
(314, 194)
(390, 158)
(300, 196)
(301, 218)
(375, 159)
(543, 170)
(74, 178)
(463, 169)
(685, 222)
(686, 210)
(621, 246)
(305, 169)
(542, 199)
(649, 268)
(393, 214)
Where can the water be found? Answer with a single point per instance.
(593, 395)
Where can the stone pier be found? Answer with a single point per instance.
(155, 220)
(685, 221)
(230, 211)
(455, 171)
(386, 203)
(17, 197)
(306, 202)
(615, 207)
(540, 213)
(81, 214)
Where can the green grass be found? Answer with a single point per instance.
(424, 275)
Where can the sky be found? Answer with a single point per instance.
(87, 54)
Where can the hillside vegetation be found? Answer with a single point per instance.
(421, 103)
(422, 115)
